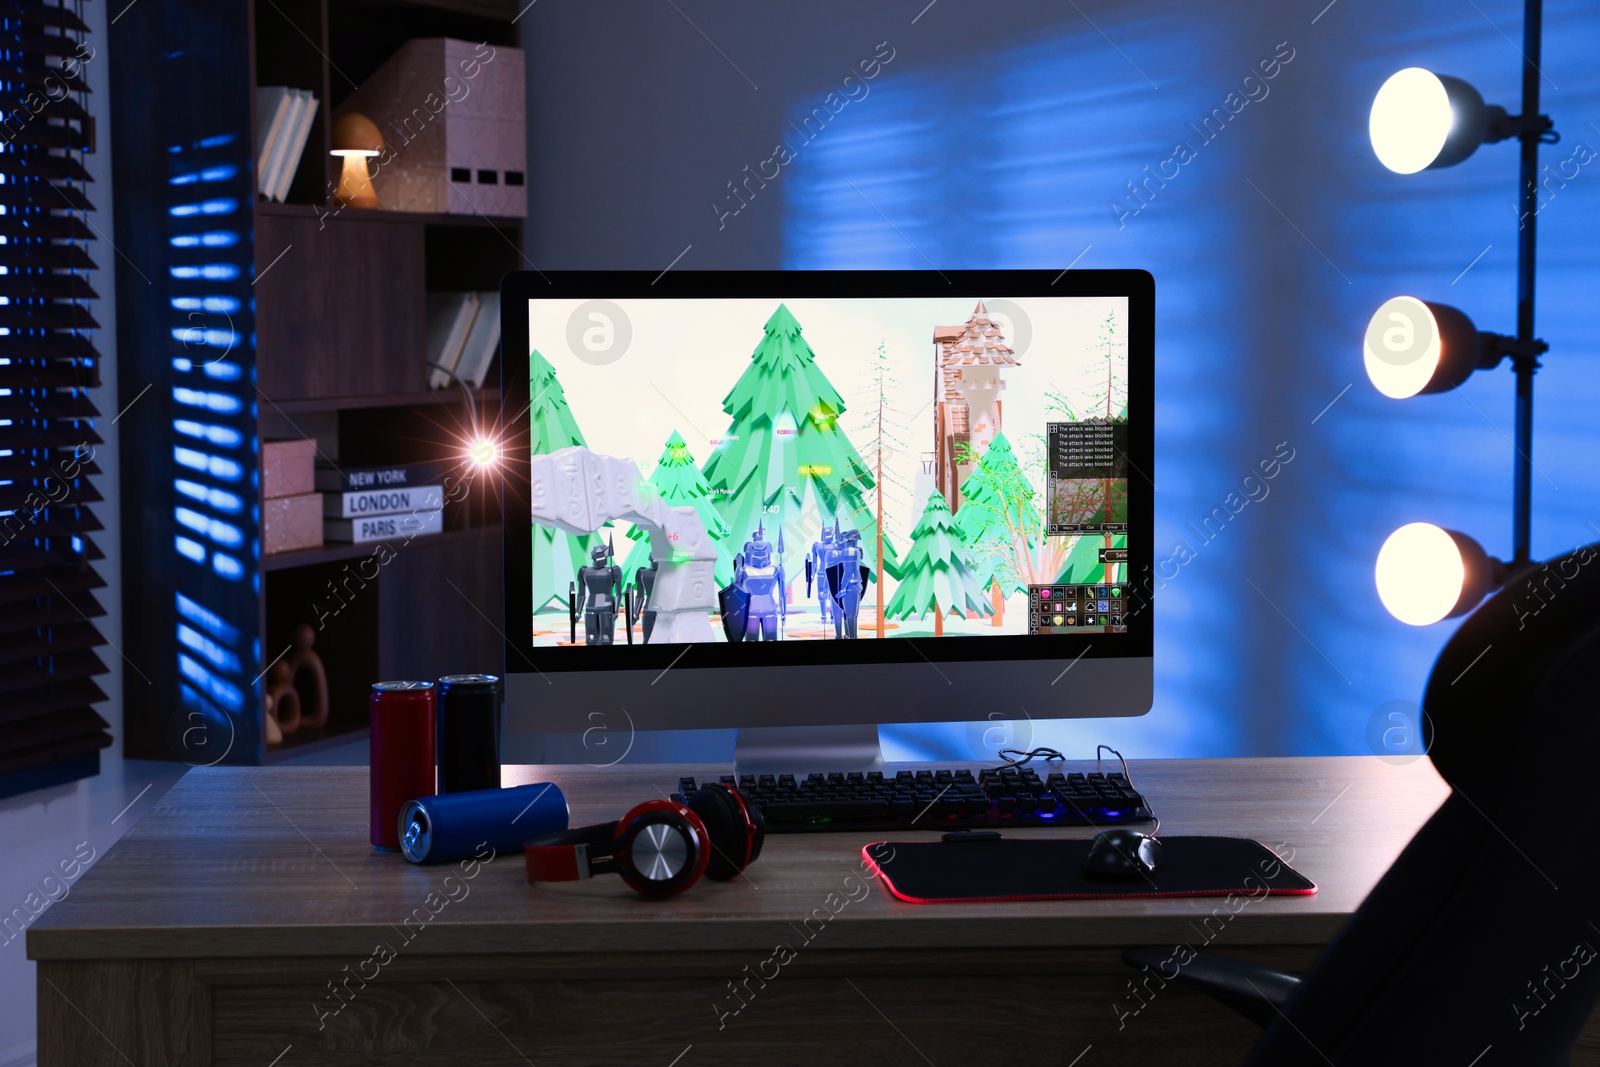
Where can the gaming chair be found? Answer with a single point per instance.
(1480, 944)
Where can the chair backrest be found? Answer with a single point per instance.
(1481, 939)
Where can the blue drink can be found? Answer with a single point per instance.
(456, 826)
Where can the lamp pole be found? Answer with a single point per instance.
(1526, 360)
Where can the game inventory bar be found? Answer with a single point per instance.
(1058, 609)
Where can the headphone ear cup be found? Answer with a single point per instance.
(718, 808)
(760, 823)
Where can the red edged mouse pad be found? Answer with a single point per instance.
(950, 872)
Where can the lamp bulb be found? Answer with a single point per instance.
(1425, 573)
(1410, 121)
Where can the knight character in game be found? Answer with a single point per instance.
(645, 609)
(847, 578)
(755, 606)
(599, 590)
(817, 569)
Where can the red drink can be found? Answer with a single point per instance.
(402, 765)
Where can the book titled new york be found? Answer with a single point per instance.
(382, 527)
(396, 476)
(368, 502)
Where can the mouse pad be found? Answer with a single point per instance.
(946, 872)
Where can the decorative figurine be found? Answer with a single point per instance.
(847, 578)
(313, 690)
(817, 567)
(282, 698)
(599, 590)
(755, 606)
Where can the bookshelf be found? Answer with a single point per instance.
(286, 320)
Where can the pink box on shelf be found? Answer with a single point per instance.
(291, 522)
(288, 467)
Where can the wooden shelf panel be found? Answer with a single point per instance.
(338, 551)
(386, 400)
(305, 742)
(411, 218)
(506, 10)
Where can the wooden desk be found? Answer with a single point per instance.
(216, 931)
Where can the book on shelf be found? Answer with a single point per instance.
(450, 318)
(463, 337)
(283, 125)
(482, 343)
(382, 527)
(368, 502)
(342, 479)
(272, 112)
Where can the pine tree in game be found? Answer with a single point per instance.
(937, 573)
(679, 483)
(1000, 523)
(784, 449)
(557, 556)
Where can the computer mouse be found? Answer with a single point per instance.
(1118, 855)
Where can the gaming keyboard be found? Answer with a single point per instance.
(993, 799)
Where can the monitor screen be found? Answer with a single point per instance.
(857, 484)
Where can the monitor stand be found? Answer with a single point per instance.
(804, 749)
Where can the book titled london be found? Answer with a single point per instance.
(373, 502)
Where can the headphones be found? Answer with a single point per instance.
(660, 847)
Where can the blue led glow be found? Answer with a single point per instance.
(220, 402)
(222, 533)
(226, 372)
(216, 466)
(220, 499)
(182, 364)
(190, 549)
(224, 693)
(206, 207)
(215, 272)
(207, 620)
(202, 645)
(213, 239)
(227, 566)
(199, 335)
(226, 436)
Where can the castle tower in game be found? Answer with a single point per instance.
(969, 363)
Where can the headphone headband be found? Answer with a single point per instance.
(571, 855)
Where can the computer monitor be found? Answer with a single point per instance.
(826, 499)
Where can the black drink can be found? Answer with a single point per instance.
(468, 738)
